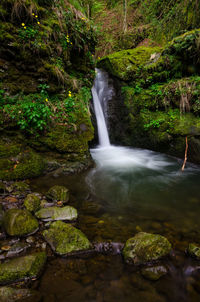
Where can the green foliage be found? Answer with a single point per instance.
(28, 33)
(30, 114)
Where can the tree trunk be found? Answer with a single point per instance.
(125, 16)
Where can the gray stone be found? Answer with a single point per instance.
(154, 272)
(56, 213)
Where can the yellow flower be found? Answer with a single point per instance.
(23, 24)
(38, 23)
(46, 100)
(33, 14)
(24, 27)
(36, 16)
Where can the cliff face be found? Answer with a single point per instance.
(160, 89)
(46, 72)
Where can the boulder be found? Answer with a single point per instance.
(58, 193)
(32, 202)
(22, 267)
(55, 213)
(19, 222)
(64, 238)
(145, 247)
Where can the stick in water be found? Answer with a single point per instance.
(186, 150)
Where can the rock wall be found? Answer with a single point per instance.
(160, 89)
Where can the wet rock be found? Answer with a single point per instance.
(64, 238)
(145, 247)
(32, 202)
(30, 239)
(21, 186)
(22, 267)
(58, 193)
(16, 249)
(55, 213)
(154, 273)
(9, 294)
(19, 222)
(194, 250)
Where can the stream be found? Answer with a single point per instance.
(129, 190)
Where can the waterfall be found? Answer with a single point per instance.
(101, 92)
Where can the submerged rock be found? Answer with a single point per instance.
(194, 250)
(17, 248)
(55, 213)
(9, 294)
(19, 222)
(58, 193)
(32, 202)
(21, 186)
(154, 272)
(64, 238)
(22, 267)
(145, 247)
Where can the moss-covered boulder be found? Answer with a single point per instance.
(22, 267)
(126, 64)
(19, 222)
(11, 294)
(32, 202)
(194, 250)
(58, 193)
(154, 272)
(145, 247)
(1, 215)
(56, 213)
(66, 239)
(20, 163)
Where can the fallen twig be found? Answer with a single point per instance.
(186, 150)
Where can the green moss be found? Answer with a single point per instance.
(22, 267)
(32, 202)
(194, 250)
(126, 64)
(145, 247)
(64, 238)
(27, 164)
(19, 222)
(58, 193)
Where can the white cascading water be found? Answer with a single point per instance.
(132, 176)
(98, 91)
(117, 157)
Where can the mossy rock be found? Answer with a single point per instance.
(19, 222)
(22, 267)
(194, 250)
(126, 64)
(58, 193)
(145, 247)
(55, 213)
(11, 294)
(32, 202)
(66, 239)
(27, 164)
(154, 272)
(20, 186)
